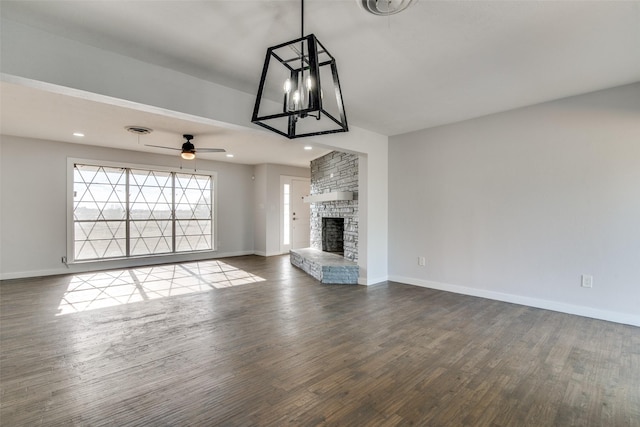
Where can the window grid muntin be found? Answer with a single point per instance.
(205, 199)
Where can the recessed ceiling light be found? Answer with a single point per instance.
(308, 147)
(229, 155)
(78, 134)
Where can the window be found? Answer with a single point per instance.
(285, 214)
(125, 212)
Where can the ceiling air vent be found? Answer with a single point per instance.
(385, 7)
(139, 130)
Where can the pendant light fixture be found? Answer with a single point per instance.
(299, 93)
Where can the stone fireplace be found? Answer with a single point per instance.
(333, 172)
(333, 255)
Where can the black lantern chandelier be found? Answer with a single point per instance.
(301, 75)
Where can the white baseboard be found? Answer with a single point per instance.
(373, 281)
(611, 316)
(232, 254)
(262, 253)
(35, 273)
(83, 267)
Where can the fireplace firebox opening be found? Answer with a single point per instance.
(333, 235)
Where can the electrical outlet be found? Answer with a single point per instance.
(587, 281)
(421, 261)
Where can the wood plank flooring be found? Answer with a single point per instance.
(288, 350)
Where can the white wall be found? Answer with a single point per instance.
(33, 177)
(517, 206)
(37, 55)
(260, 215)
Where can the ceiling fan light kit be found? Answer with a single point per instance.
(302, 76)
(188, 149)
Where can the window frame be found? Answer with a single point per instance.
(70, 223)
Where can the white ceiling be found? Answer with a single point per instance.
(438, 62)
(52, 115)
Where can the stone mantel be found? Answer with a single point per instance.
(333, 196)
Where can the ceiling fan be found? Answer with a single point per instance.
(188, 150)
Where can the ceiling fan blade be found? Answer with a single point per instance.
(160, 146)
(210, 150)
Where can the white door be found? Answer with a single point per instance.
(300, 214)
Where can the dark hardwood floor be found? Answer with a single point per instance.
(254, 341)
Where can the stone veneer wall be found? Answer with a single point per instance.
(336, 171)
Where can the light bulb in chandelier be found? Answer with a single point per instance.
(293, 101)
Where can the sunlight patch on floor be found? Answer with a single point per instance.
(90, 291)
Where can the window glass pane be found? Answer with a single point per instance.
(193, 197)
(198, 182)
(150, 237)
(150, 195)
(193, 235)
(285, 210)
(104, 239)
(99, 193)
